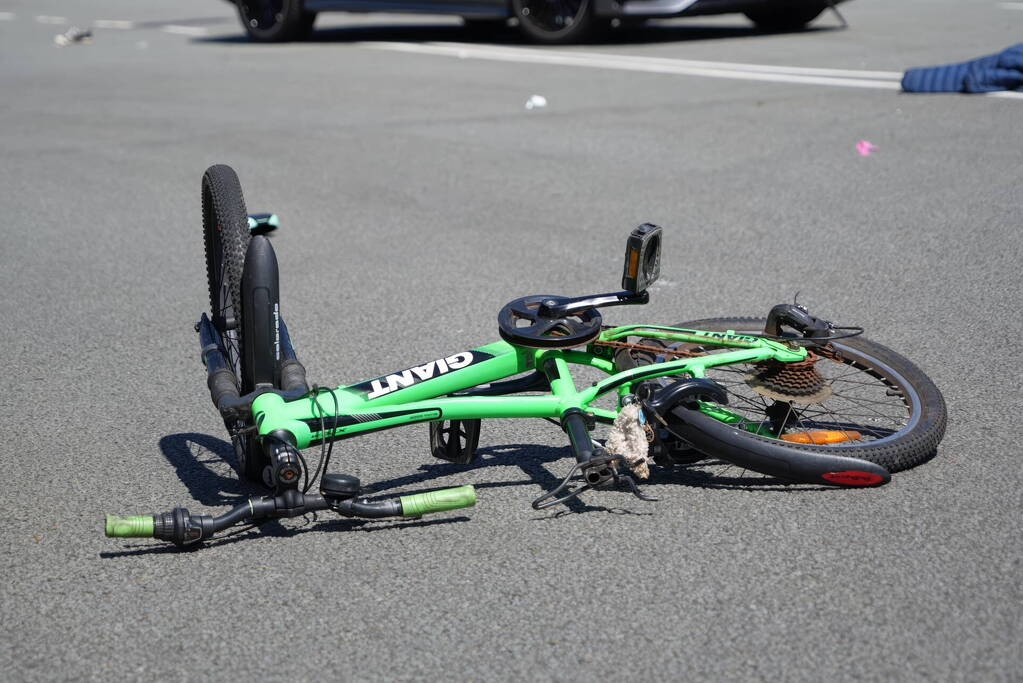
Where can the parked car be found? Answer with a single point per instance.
(543, 21)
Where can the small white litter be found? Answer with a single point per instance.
(536, 102)
(73, 35)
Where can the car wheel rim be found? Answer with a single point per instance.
(552, 16)
(263, 15)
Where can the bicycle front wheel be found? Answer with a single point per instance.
(226, 239)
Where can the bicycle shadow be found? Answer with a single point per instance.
(205, 465)
(712, 473)
(531, 459)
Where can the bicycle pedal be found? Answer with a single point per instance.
(455, 440)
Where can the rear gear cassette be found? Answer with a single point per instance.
(792, 382)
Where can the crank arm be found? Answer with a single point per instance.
(594, 480)
(632, 487)
(552, 497)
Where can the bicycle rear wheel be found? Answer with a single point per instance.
(865, 402)
(226, 239)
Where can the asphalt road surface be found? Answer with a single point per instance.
(418, 195)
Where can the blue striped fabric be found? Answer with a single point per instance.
(1002, 71)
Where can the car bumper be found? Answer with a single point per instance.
(677, 8)
(500, 8)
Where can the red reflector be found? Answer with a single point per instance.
(853, 478)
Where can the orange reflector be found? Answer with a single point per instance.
(821, 436)
(633, 262)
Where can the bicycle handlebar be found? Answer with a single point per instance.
(129, 526)
(419, 504)
(181, 527)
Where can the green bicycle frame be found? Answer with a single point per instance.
(427, 392)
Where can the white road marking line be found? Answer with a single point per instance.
(185, 30)
(626, 63)
(113, 23)
(732, 66)
(46, 19)
(1011, 5)
(8, 16)
(845, 78)
(1009, 94)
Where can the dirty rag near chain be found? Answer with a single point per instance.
(627, 438)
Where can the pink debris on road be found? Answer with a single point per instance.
(865, 147)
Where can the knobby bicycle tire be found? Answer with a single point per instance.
(903, 448)
(226, 238)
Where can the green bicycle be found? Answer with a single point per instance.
(791, 396)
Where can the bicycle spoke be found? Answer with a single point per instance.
(857, 395)
(859, 425)
(868, 400)
(744, 399)
(855, 372)
(845, 432)
(785, 420)
(852, 381)
(873, 410)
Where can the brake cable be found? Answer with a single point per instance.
(326, 450)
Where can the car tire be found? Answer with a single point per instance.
(785, 16)
(275, 21)
(571, 21)
(306, 27)
(484, 29)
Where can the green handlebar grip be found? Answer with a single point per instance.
(438, 501)
(132, 526)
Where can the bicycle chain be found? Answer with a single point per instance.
(658, 350)
(830, 352)
(827, 350)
